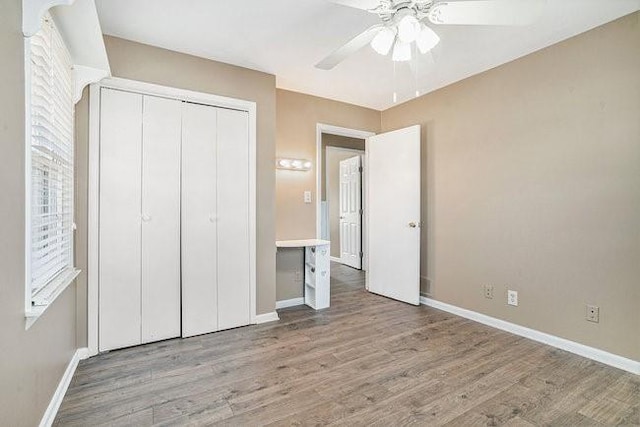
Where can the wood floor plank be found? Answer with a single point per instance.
(366, 360)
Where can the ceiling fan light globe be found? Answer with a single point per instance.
(401, 52)
(427, 39)
(408, 29)
(383, 41)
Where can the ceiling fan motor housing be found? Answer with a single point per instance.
(391, 12)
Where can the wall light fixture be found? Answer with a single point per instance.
(293, 164)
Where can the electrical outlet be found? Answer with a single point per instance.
(298, 276)
(307, 196)
(512, 297)
(593, 313)
(488, 291)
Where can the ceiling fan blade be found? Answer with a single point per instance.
(487, 12)
(358, 4)
(349, 48)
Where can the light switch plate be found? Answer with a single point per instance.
(307, 196)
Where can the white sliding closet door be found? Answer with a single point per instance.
(233, 219)
(120, 201)
(161, 139)
(199, 240)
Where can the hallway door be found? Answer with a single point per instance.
(351, 212)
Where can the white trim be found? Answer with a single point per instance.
(94, 186)
(350, 133)
(289, 302)
(33, 11)
(332, 130)
(83, 353)
(267, 317)
(83, 76)
(27, 174)
(93, 202)
(251, 109)
(177, 93)
(592, 353)
(351, 150)
(54, 404)
(58, 285)
(335, 259)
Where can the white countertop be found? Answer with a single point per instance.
(301, 243)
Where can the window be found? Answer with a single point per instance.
(50, 154)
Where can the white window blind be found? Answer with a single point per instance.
(51, 157)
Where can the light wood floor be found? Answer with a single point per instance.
(367, 360)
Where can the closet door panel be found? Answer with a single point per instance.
(199, 250)
(161, 138)
(119, 236)
(233, 219)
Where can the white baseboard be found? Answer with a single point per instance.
(289, 303)
(267, 317)
(52, 410)
(335, 259)
(83, 353)
(592, 353)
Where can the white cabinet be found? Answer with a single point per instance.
(233, 218)
(120, 234)
(199, 214)
(317, 289)
(215, 220)
(317, 270)
(174, 219)
(161, 137)
(139, 219)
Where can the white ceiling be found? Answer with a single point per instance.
(288, 37)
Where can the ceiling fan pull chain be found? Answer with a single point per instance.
(395, 83)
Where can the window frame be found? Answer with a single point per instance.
(60, 281)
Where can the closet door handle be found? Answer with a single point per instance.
(146, 218)
(212, 218)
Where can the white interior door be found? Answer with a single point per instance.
(161, 139)
(234, 262)
(393, 214)
(350, 212)
(119, 312)
(199, 236)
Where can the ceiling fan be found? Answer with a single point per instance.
(403, 23)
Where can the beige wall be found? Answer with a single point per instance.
(296, 119)
(531, 181)
(33, 361)
(332, 181)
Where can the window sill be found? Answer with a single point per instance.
(58, 285)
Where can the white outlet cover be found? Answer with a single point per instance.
(512, 297)
(307, 196)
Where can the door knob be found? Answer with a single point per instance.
(413, 224)
(146, 218)
(212, 218)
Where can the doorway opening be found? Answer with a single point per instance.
(340, 184)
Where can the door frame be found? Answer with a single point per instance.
(94, 178)
(350, 133)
